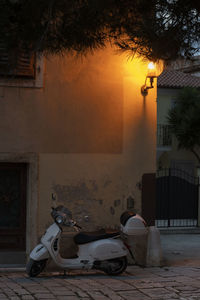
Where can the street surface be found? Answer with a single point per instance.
(137, 283)
(178, 279)
(181, 249)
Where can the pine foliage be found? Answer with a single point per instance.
(155, 29)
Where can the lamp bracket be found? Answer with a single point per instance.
(145, 87)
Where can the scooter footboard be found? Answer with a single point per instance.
(40, 252)
(105, 249)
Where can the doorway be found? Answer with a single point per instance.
(13, 191)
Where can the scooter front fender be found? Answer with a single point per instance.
(40, 252)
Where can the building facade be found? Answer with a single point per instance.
(76, 132)
(170, 83)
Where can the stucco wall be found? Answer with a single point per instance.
(79, 110)
(93, 130)
(101, 183)
(165, 98)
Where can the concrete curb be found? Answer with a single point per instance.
(12, 268)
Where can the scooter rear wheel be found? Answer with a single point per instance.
(116, 266)
(34, 268)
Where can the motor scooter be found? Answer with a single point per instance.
(105, 251)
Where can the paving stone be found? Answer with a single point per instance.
(63, 293)
(9, 292)
(3, 285)
(172, 284)
(183, 279)
(82, 294)
(44, 296)
(166, 274)
(172, 289)
(158, 292)
(141, 284)
(184, 294)
(187, 288)
(97, 295)
(13, 286)
(116, 285)
(22, 292)
(27, 297)
(128, 295)
(70, 298)
(110, 294)
(113, 296)
(38, 290)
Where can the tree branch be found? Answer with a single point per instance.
(196, 154)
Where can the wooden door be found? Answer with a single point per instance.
(149, 198)
(13, 181)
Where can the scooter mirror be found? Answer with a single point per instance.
(59, 219)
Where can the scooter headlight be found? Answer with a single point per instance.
(59, 219)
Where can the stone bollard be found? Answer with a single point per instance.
(138, 246)
(154, 251)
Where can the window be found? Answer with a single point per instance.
(19, 64)
(173, 102)
(20, 68)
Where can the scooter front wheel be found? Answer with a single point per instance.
(116, 266)
(34, 267)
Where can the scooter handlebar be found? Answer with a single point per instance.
(74, 224)
(79, 227)
(62, 218)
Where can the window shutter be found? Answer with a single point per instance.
(19, 64)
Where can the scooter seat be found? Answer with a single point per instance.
(87, 237)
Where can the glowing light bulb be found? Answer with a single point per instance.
(151, 66)
(151, 70)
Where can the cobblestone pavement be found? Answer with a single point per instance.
(137, 283)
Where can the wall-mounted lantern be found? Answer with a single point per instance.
(149, 80)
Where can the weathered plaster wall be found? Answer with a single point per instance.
(101, 185)
(79, 110)
(93, 130)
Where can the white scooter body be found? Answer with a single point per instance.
(100, 250)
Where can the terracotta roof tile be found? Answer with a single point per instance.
(177, 79)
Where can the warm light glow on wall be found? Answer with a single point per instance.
(139, 68)
(143, 73)
(136, 68)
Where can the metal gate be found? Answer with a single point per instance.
(176, 198)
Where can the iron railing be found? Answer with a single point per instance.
(176, 198)
(164, 136)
